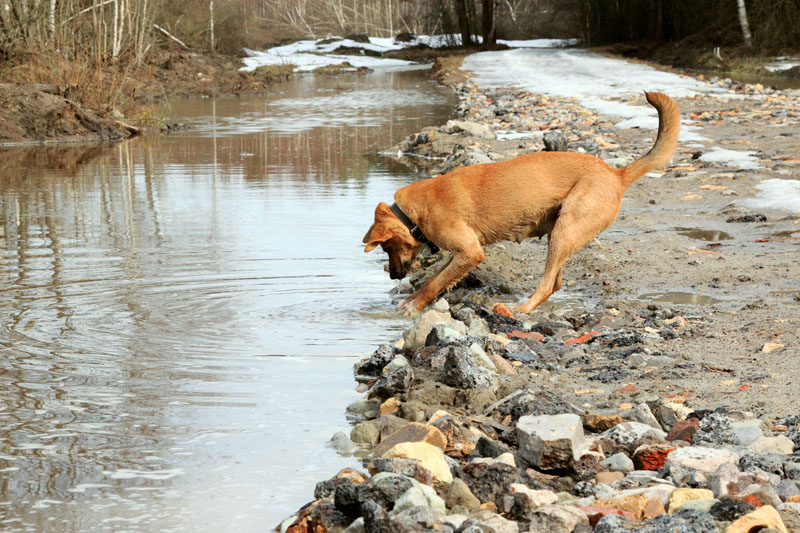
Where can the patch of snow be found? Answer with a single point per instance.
(776, 194)
(783, 63)
(310, 54)
(592, 79)
(731, 158)
(505, 135)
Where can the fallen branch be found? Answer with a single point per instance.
(133, 130)
(168, 34)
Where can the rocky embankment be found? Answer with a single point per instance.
(483, 422)
(623, 413)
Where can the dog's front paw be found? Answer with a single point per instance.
(408, 307)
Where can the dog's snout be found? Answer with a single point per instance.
(397, 274)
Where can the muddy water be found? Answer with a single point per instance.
(179, 315)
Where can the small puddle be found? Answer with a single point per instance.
(678, 298)
(707, 235)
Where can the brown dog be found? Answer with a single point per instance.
(569, 197)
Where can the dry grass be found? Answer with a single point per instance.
(104, 89)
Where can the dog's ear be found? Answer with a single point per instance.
(375, 236)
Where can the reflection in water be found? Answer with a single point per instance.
(179, 315)
(708, 235)
(675, 297)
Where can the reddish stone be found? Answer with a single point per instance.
(596, 513)
(630, 387)
(684, 430)
(501, 309)
(526, 335)
(652, 457)
(752, 500)
(583, 338)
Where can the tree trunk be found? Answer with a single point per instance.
(748, 41)
(211, 22)
(463, 22)
(489, 7)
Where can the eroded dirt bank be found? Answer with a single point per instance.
(656, 392)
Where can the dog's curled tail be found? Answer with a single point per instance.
(669, 121)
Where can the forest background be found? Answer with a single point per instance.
(105, 52)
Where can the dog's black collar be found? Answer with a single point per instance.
(413, 228)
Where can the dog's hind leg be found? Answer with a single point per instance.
(569, 234)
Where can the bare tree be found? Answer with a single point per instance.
(748, 41)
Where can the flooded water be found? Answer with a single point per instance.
(179, 315)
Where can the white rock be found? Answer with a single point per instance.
(481, 359)
(550, 441)
(441, 305)
(780, 444)
(535, 498)
(414, 337)
(634, 434)
(684, 461)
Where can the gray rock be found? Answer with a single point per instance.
(414, 337)
(460, 494)
(342, 443)
(366, 432)
(374, 365)
(476, 157)
(765, 493)
(642, 414)
(444, 333)
(363, 409)
(726, 476)
(396, 465)
(763, 462)
(392, 384)
(550, 441)
(788, 508)
(474, 129)
(555, 141)
(557, 519)
(461, 371)
(488, 481)
(631, 435)
(685, 521)
(786, 489)
(666, 416)
(619, 462)
(792, 470)
(728, 510)
(415, 519)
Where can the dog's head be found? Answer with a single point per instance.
(395, 239)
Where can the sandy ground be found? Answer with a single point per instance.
(736, 283)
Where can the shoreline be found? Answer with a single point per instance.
(646, 409)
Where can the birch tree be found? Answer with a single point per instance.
(748, 41)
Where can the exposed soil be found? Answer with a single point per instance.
(29, 114)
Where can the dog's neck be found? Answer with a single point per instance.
(416, 232)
